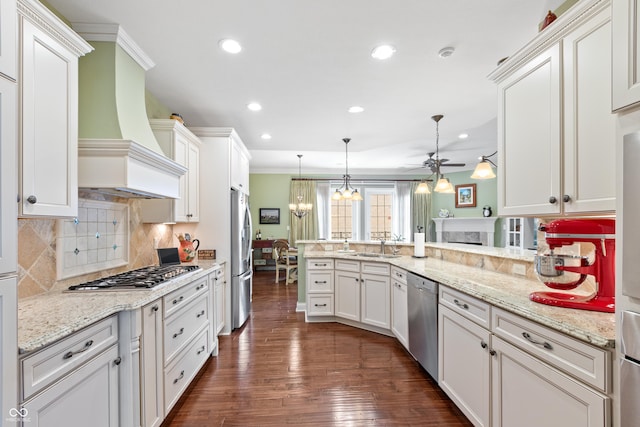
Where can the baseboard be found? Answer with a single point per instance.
(301, 307)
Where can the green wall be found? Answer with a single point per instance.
(270, 191)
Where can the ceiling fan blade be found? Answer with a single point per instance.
(453, 164)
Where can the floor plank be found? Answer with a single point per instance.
(278, 370)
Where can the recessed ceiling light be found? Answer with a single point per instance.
(230, 45)
(265, 136)
(384, 51)
(356, 109)
(463, 136)
(254, 106)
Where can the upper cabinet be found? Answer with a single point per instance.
(239, 167)
(48, 106)
(8, 38)
(182, 146)
(626, 53)
(8, 174)
(556, 132)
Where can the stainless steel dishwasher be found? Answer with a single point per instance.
(422, 297)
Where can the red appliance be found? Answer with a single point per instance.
(551, 268)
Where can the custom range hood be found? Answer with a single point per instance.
(117, 151)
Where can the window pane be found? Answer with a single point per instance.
(380, 217)
(341, 220)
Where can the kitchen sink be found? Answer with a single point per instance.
(374, 255)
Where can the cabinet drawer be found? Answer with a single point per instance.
(184, 326)
(472, 308)
(583, 361)
(320, 281)
(381, 268)
(348, 265)
(181, 297)
(320, 305)
(58, 359)
(320, 264)
(399, 274)
(178, 376)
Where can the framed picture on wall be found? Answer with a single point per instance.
(466, 196)
(269, 215)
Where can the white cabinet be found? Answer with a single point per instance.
(220, 298)
(48, 106)
(8, 344)
(519, 232)
(8, 210)
(182, 146)
(553, 107)
(8, 39)
(363, 292)
(464, 353)
(320, 287)
(77, 375)
(152, 365)
(239, 168)
(399, 309)
(626, 53)
(215, 283)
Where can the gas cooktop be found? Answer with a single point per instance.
(142, 278)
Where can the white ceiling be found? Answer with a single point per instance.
(308, 61)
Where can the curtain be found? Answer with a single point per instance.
(403, 210)
(305, 228)
(323, 205)
(420, 212)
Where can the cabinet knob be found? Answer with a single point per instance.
(492, 352)
(117, 361)
(566, 198)
(155, 308)
(483, 344)
(32, 199)
(553, 200)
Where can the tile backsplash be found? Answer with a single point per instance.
(37, 248)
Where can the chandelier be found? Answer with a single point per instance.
(346, 191)
(443, 185)
(300, 209)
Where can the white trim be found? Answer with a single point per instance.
(301, 307)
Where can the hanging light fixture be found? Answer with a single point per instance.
(346, 191)
(483, 168)
(300, 209)
(443, 185)
(423, 188)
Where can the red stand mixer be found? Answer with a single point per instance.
(565, 272)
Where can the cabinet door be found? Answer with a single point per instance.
(529, 393)
(219, 311)
(464, 368)
(529, 138)
(347, 295)
(8, 173)
(181, 152)
(8, 38)
(399, 313)
(8, 344)
(193, 183)
(49, 125)
(376, 300)
(151, 371)
(86, 397)
(626, 53)
(589, 126)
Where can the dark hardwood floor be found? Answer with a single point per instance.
(278, 370)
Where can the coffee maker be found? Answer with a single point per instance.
(564, 272)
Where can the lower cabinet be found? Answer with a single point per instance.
(152, 365)
(320, 287)
(503, 370)
(219, 298)
(399, 309)
(74, 381)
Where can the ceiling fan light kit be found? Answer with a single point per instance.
(423, 188)
(443, 185)
(300, 209)
(346, 191)
(483, 169)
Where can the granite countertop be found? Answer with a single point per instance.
(46, 318)
(509, 292)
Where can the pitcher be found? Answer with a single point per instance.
(187, 249)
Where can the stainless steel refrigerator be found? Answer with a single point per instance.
(241, 270)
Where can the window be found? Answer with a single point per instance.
(379, 214)
(341, 219)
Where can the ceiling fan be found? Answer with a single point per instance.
(434, 164)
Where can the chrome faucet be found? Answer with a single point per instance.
(382, 246)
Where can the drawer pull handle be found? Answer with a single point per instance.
(533, 341)
(180, 332)
(199, 287)
(320, 305)
(199, 315)
(199, 352)
(155, 308)
(177, 300)
(317, 282)
(179, 378)
(461, 305)
(117, 361)
(70, 354)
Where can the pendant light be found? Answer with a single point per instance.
(483, 168)
(300, 209)
(423, 188)
(346, 191)
(443, 185)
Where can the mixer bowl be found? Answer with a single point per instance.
(545, 266)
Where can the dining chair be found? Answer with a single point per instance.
(284, 261)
